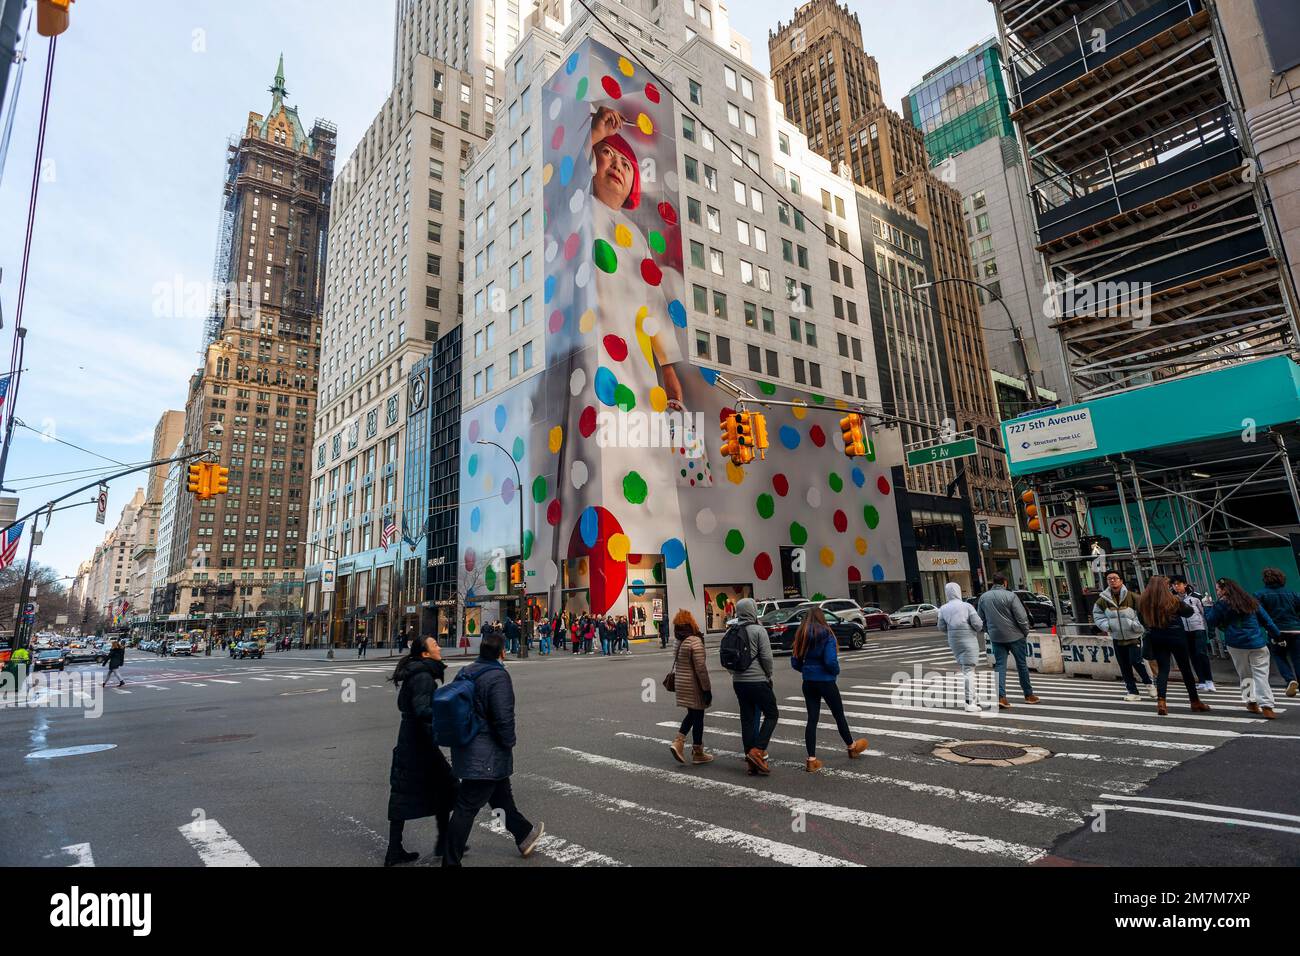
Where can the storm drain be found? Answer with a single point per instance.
(223, 739)
(990, 753)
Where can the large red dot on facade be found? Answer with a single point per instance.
(781, 485)
(763, 566)
(650, 272)
(817, 435)
(667, 213)
(882, 483)
(616, 348)
(652, 93)
(553, 512)
(587, 421)
(841, 522)
(854, 574)
(611, 87)
(725, 412)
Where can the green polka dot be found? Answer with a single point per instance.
(836, 482)
(767, 388)
(721, 600)
(819, 399)
(472, 626)
(528, 545)
(871, 516)
(798, 534)
(539, 489)
(605, 257)
(735, 541)
(624, 399)
(818, 596)
(656, 242)
(581, 92)
(766, 506)
(518, 450)
(490, 578)
(473, 465)
(657, 572)
(634, 488)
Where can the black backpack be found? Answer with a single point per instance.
(734, 652)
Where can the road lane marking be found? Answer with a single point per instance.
(1206, 806)
(313, 690)
(217, 680)
(557, 848)
(1206, 818)
(214, 845)
(260, 678)
(942, 836)
(80, 852)
(700, 830)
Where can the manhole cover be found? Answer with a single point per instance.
(990, 753)
(223, 739)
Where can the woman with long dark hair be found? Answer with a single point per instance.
(1162, 613)
(816, 656)
(1246, 629)
(420, 780)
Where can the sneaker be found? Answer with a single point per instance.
(1151, 689)
(757, 761)
(1131, 697)
(1209, 687)
(973, 708)
(857, 747)
(530, 842)
(812, 765)
(1201, 688)
(1292, 688)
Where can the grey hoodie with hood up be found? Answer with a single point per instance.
(760, 668)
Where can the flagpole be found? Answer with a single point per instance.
(4, 452)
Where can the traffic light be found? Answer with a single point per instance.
(745, 436)
(760, 434)
(855, 443)
(219, 482)
(52, 17)
(730, 436)
(199, 480)
(516, 573)
(1031, 510)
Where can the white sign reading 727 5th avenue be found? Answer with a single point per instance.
(1049, 435)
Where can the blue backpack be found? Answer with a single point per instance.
(456, 720)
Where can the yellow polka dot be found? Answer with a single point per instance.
(800, 412)
(619, 546)
(828, 557)
(582, 567)
(556, 439)
(625, 66)
(860, 545)
(547, 171)
(658, 399)
(644, 124)
(586, 321)
(487, 482)
(623, 236)
(735, 474)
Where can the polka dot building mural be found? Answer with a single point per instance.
(625, 492)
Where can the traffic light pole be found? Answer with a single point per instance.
(519, 493)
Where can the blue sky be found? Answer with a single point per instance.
(143, 105)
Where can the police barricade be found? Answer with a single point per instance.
(1088, 654)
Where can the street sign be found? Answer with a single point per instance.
(1064, 536)
(101, 503)
(328, 571)
(961, 448)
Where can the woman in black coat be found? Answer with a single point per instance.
(420, 781)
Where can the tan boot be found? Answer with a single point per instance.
(757, 761)
(1199, 707)
(1268, 713)
(678, 747)
(1162, 710)
(812, 765)
(1253, 707)
(857, 747)
(699, 756)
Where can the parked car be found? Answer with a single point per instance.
(52, 659)
(85, 654)
(846, 608)
(1039, 606)
(874, 619)
(768, 605)
(914, 615)
(783, 623)
(180, 647)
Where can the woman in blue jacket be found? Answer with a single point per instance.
(1246, 629)
(1283, 606)
(815, 655)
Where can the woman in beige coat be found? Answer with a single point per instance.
(691, 683)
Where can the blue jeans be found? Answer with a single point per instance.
(1020, 651)
(1129, 657)
(1288, 661)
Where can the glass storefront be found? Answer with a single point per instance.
(720, 603)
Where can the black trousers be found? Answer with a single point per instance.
(814, 692)
(1163, 648)
(694, 723)
(473, 794)
(756, 699)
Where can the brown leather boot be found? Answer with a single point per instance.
(1003, 704)
(857, 747)
(678, 747)
(1161, 709)
(1031, 699)
(1253, 707)
(1199, 707)
(1268, 713)
(699, 756)
(757, 761)
(812, 765)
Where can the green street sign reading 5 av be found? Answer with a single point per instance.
(962, 448)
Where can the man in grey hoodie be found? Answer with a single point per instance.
(753, 687)
(1007, 623)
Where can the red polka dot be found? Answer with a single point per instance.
(616, 348)
(634, 559)
(553, 512)
(763, 566)
(571, 245)
(587, 421)
(854, 574)
(652, 274)
(557, 138)
(611, 87)
(817, 435)
(667, 213)
(652, 93)
(725, 412)
(470, 559)
(781, 485)
(841, 522)
(883, 484)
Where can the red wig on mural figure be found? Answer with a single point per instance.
(606, 576)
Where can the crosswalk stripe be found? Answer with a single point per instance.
(260, 678)
(911, 829)
(558, 849)
(1030, 807)
(80, 852)
(1204, 817)
(1151, 762)
(700, 830)
(214, 845)
(217, 680)
(1207, 806)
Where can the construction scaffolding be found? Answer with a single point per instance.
(1152, 223)
(221, 276)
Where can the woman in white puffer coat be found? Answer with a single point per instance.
(963, 626)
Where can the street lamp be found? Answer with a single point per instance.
(329, 608)
(519, 493)
(1015, 328)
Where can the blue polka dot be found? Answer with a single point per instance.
(677, 312)
(473, 465)
(548, 291)
(499, 417)
(674, 552)
(877, 573)
(709, 375)
(572, 64)
(859, 479)
(638, 587)
(790, 437)
(566, 170)
(589, 527)
(606, 385)
(475, 519)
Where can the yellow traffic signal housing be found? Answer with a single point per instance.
(855, 444)
(198, 480)
(760, 434)
(52, 17)
(517, 573)
(736, 439)
(219, 481)
(730, 437)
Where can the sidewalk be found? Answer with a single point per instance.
(348, 655)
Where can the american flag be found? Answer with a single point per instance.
(389, 534)
(4, 387)
(9, 546)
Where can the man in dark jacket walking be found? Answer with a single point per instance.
(1007, 623)
(753, 687)
(116, 657)
(485, 764)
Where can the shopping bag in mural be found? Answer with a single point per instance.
(689, 453)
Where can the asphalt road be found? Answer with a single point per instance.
(284, 762)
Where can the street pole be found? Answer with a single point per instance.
(20, 625)
(519, 493)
